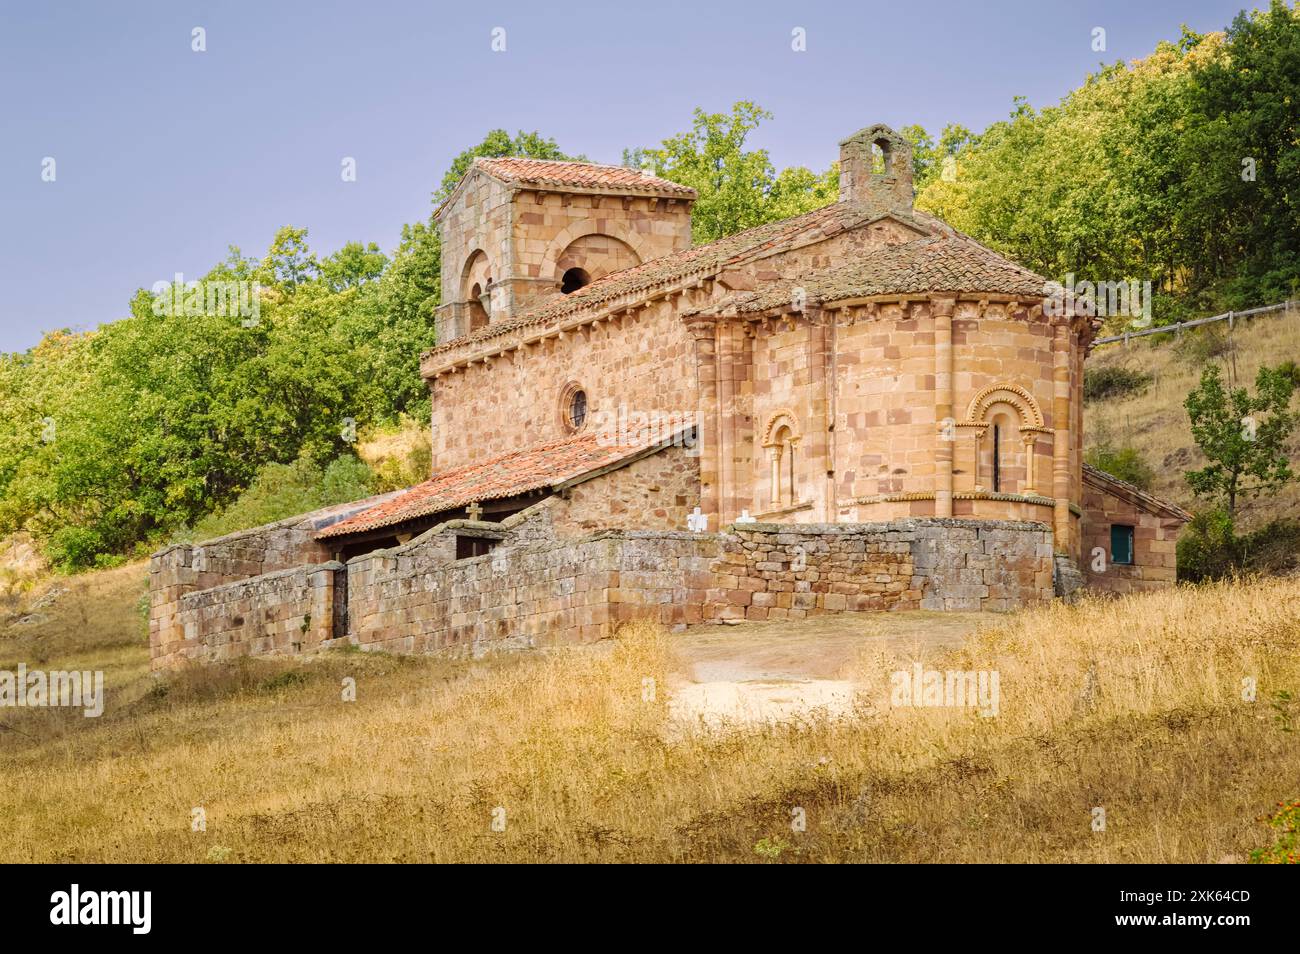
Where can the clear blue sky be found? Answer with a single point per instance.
(166, 156)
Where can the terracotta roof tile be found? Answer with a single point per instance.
(1136, 495)
(699, 259)
(533, 468)
(587, 175)
(936, 263)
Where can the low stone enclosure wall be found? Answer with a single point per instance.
(534, 589)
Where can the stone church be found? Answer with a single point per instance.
(858, 408)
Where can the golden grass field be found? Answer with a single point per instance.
(1155, 421)
(1131, 705)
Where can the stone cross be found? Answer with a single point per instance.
(697, 522)
(473, 511)
(745, 517)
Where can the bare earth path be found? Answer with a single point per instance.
(761, 672)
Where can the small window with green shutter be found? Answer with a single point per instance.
(1121, 544)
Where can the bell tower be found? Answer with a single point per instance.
(876, 170)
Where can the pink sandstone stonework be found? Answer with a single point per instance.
(857, 408)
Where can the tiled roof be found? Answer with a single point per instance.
(583, 175)
(699, 259)
(1147, 501)
(540, 466)
(937, 263)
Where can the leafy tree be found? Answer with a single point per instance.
(1241, 154)
(1243, 436)
(353, 265)
(495, 145)
(411, 287)
(289, 262)
(738, 187)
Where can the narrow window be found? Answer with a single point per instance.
(478, 315)
(997, 458)
(467, 547)
(1121, 544)
(578, 409)
(789, 453)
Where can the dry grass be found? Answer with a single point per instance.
(1155, 421)
(588, 770)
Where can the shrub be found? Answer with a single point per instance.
(1286, 850)
(1291, 371)
(1208, 547)
(283, 490)
(1199, 346)
(1126, 463)
(75, 548)
(1113, 381)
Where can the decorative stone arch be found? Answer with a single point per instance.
(781, 437)
(1030, 426)
(581, 229)
(1030, 414)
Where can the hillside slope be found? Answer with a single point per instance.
(1132, 705)
(1154, 421)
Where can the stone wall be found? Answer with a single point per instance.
(640, 364)
(184, 568)
(285, 612)
(534, 588)
(1155, 543)
(778, 571)
(656, 492)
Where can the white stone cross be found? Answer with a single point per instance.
(697, 522)
(745, 517)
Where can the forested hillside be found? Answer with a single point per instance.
(1182, 169)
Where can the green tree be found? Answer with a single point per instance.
(353, 265)
(1242, 435)
(411, 287)
(738, 187)
(495, 145)
(288, 262)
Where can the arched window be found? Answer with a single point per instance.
(587, 258)
(781, 438)
(1007, 424)
(1003, 459)
(478, 314)
(573, 279)
(475, 290)
(880, 157)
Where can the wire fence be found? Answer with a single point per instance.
(1230, 317)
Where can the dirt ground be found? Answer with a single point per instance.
(777, 671)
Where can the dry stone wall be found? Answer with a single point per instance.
(534, 589)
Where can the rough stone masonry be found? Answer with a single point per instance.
(859, 408)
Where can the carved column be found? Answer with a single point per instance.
(1031, 440)
(945, 430)
(703, 332)
(1061, 435)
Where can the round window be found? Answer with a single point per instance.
(573, 407)
(578, 409)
